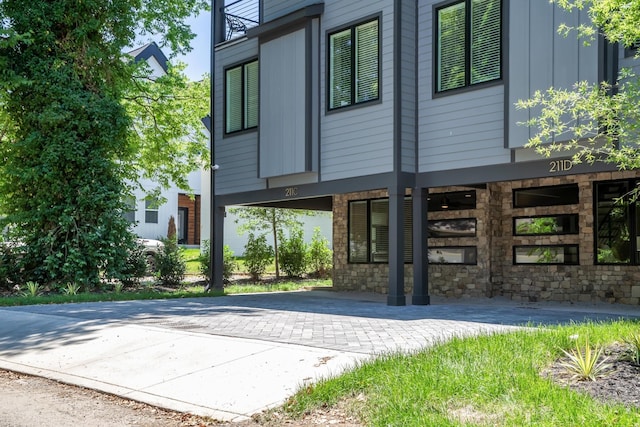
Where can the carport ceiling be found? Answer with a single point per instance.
(315, 204)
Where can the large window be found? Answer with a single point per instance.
(468, 37)
(617, 223)
(369, 231)
(241, 97)
(354, 65)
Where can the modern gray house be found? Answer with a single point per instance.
(399, 116)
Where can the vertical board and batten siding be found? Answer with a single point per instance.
(409, 81)
(358, 141)
(273, 9)
(540, 58)
(629, 62)
(459, 130)
(283, 105)
(237, 155)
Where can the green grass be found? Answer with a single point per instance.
(483, 381)
(149, 293)
(191, 259)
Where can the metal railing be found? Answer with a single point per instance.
(239, 16)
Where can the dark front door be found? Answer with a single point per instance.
(183, 225)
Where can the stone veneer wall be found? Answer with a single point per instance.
(444, 280)
(586, 282)
(495, 274)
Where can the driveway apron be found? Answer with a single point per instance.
(230, 357)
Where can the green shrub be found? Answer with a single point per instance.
(170, 266)
(136, 266)
(9, 268)
(258, 255)
(229, 266)
(293, 254)
(320, 255)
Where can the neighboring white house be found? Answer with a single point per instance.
(151, 221)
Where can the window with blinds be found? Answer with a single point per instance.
(469, 44)
(241, 97)
(354, 65)
(369, 231)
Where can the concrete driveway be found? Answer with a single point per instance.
(230, 357)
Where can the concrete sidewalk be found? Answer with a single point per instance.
(230, 357)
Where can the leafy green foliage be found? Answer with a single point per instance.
(136, 266)
(229, 263)
(166, 128)
(170, 266)
(74, 128)
(319, 254)
(257, 255)
(9, 269)
(272, 220)
(293, 254)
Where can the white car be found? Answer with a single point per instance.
(151, 249)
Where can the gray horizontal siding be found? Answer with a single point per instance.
(237, 155)
(456, 130)
(358, 141)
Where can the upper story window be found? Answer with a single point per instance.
(151, 211)
(241, 97)
(354, 64)
(468, 37)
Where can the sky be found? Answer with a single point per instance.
(198, 59)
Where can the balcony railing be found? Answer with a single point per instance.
(239, 16)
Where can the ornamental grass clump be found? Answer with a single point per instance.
(32, 289)
(586, 363)
(71, 288)
(633, 350)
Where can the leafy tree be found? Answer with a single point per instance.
(272, 220)
(594, 122)
(68, 142)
